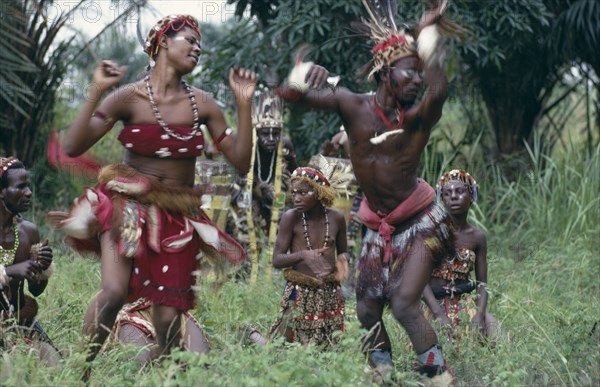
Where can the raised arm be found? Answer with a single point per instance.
(91, 124)
(430, 47)
(430, 107)
(313, 92)
(237, 149)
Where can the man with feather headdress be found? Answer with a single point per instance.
(408, 232)
(259, 197)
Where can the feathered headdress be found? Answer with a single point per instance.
(268, 110)
(392, 43)
(326, 176)
(458, 175)
(339, 174)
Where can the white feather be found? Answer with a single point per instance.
(383, 136)
(209, 234)
(82, 216)
(297, 77)
(429, 45)
(344, 138)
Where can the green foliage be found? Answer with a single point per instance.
(576, 32)
(35, 74)
(515, 55)
(555, 199)
(14, 63)
(268, 47)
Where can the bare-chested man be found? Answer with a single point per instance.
(408, 231)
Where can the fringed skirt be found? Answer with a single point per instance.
(378, 280)
(312, 309)
(160, 227)
(139, 315)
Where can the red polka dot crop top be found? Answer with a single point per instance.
(151, 140)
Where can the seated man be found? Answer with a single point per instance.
(22, 259)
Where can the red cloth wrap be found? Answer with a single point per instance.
(382, 223)
(165, 245)
(149, 279)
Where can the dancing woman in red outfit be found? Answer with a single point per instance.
(144, 215)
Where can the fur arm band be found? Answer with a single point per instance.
(43, 276)
(34, 252)
(430, 46)
(297, 78)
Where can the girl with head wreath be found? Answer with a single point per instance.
(311, 248)
(144, 215)
(448, 290)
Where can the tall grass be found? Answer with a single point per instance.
(543, 264)
(557, 200)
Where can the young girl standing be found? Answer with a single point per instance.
(309, 235)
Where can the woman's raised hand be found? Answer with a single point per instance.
(108, 74)
(242, 83)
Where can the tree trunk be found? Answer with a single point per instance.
(513, 118)
(514, 105)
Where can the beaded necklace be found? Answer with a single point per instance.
(7, 257)
(260, 167)
(305, 225)
(162, 123)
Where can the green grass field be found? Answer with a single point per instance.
(544, 266)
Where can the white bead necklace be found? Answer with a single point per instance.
(260, 167)
(305, 225)
(159, 118)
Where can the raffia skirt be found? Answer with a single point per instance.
(312, 309)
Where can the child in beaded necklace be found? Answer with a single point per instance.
(309, 237)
